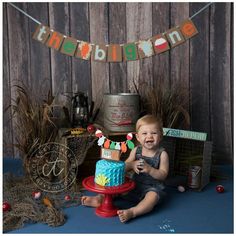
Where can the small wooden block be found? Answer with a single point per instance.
(110, 154)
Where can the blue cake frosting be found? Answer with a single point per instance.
(110, 173)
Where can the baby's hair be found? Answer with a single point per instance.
(150, 119)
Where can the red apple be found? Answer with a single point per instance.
(91, 128)
(6, 206)
(220, 188)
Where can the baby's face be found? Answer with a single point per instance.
(149, 136)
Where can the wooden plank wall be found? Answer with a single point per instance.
(203, 64)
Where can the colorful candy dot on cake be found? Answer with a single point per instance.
(129, 136)
(98, 133)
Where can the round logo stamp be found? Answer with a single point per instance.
(53, 167)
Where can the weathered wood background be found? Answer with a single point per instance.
(204, 63)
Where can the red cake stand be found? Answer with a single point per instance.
(107, 209)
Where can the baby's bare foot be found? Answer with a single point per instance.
(125, 215)
(92, 201)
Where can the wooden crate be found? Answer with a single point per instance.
(80, 146)
(90, 154)
(169, 143)
(187, 152)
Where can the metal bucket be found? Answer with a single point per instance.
(194, 177)
(121, 111)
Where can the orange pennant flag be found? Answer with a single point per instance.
(123, 147)
(107, 144)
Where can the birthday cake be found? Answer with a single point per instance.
(110, 173)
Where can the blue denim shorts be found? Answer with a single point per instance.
(140, 190)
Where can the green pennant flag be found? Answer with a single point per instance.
(130, 144)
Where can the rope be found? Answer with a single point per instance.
(202, 9)
(38, 22)
(23, 12)
(17, 191)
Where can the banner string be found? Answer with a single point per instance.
(32, 18)
(202, 9)
(38, 22)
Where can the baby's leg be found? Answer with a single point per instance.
(146, 205)
(92, 201)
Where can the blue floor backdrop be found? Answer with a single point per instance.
(189, 212)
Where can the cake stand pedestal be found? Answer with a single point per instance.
(107, 209)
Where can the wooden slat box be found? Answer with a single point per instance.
(186, 150)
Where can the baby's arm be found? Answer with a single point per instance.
(163, 170)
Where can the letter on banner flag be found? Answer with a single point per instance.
(55, 40)
(174, 37)
(114, 53)
(188, 29)
(69, 46)
(160, 43)
(84, 50)
(99, 53)
(130, 52)
(145, 48)
(41, 34)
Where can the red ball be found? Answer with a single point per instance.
(220, 188)
(91, 128)
(98, 133)
(6, 206)
(67, 198)
(36, 195)
(129, 136)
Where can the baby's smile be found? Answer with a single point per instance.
(149, 141)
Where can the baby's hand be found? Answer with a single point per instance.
(138, 165)
(145, 167)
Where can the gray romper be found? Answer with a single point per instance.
(145, 182)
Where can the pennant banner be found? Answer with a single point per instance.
(116, 52)
(114, 145)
